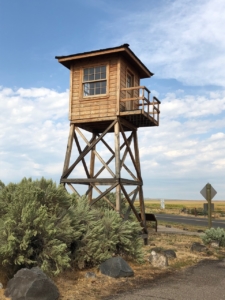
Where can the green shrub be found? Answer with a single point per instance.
(214, 235)
(35, 227)
(43, 225)
(104, 234)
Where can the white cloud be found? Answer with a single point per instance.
(181, 39)
(188, 146)
(34, 131)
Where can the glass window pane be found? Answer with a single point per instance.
(98, 84)
(97, 76)
(85, 71)
(91, 77)
(85, 77)
(103, 75)
(97, 70)
(91, 71)
(98, 91)
(103, 90)
(103, 83)
(92, 85)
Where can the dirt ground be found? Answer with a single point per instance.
(73, 284)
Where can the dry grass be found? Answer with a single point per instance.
(175, 206)
(73, 284)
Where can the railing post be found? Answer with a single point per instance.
(143, 103)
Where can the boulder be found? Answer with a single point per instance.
(116, 267)
(31, 284)
(215, 244)
(90, 275)
(170, 253)
(198, 247)
(158, 260)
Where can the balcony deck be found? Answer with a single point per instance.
(135, 108)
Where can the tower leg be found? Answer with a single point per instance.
(141, 196)
(117, 166)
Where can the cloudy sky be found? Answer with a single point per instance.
(181, 41)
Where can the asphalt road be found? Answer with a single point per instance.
(189, 220)
(205, 281)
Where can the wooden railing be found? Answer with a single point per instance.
(138, 98)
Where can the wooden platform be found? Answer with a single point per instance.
(132, 120)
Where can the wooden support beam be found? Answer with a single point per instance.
(104, 197)
(103, 194)
(141, 196)
(128, 124)
(130, 152)
(80, 151)
(132, 200)
(73, 189)
(88, 181)
(68, 149)
(86, 150)
(92, 165)
(117, 165)
(96, 153)
(108, 161)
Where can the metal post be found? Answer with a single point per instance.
(208, 193)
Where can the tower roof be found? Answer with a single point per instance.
(124, 50)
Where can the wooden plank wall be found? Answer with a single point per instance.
(125, 67)
(85, 109)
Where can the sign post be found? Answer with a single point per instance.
(208, 195)
(208, 192)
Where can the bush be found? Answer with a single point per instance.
(35, 227)
(42, 225)
(105, 235)
(214, 235)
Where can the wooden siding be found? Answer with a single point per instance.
(125, 67)
(84, 109)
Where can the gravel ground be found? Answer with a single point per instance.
(205, 281)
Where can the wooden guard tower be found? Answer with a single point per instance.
(106, 98)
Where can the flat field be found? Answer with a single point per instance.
(175, 206)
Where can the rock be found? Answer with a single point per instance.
(158, 260)
(215, 244)
(157, 249)
(152, 244)
(169, 226)
(31, 284)
(200, 230)
(116, 267)
(90, 275)
(185, 229)
(1, 286)
(170, 253)
(198, 247)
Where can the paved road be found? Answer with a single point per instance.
(205, 281)
(190, 220)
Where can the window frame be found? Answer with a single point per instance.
(106, 79)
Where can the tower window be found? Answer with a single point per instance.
(94, 81)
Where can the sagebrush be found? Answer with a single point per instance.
(213, 234)
(41, 224)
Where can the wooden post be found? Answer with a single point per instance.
(117, 166)
(92, 164)
(141, 196)
(208, 193)
(69, 148)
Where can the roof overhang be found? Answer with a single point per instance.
(124, 50)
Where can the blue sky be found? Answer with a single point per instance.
(181, 42)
